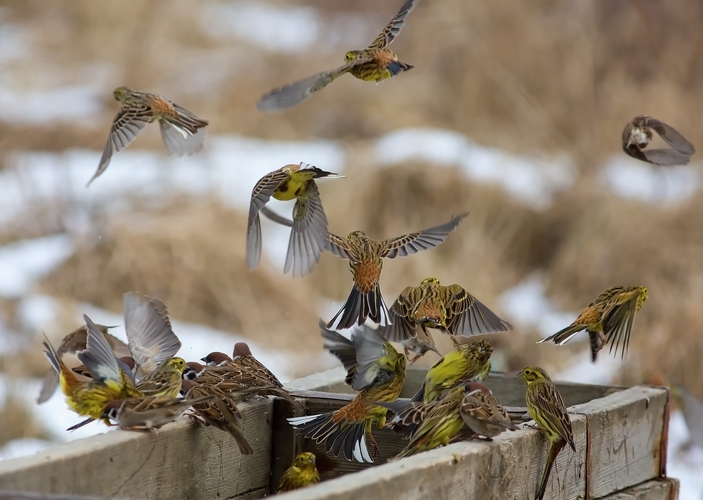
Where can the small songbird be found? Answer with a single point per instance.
(87, 396)
(150, 337)
(450, 309)
(148, 412)
(301, 474)
(608, 319)
(243, 357)
(376, 371)
(418, 345)
(373, 64)
(433, 423)
(183, 132)
(546, 407)
(365, 258)
(165, 380)
(220, 412)
(482, 412)
(72, 343)
(465, 363)
(637, 135)
(308, 237)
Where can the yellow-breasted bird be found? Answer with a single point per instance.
(301, 474)
(365, 258)
(372, 64)
(482, 412)
(220, 412)
(88, 395)
(164, 380)
(308, 237)
(183, 132)
(450, 309)
(465, 363)
(377, 372)
(637, 135)
(432, 423)
(546, 407)
(72, 343)
(608, 319)
(147, 412)
(149, 333)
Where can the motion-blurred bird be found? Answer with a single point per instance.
(220, 412)
(418, 345)
(546, 407)
(301, 474)
(88, 395)
(450, 309)
(377, 372)
(482, 412)
(72, 343)
(608, 319)
(365, 263)
(148, 412)
(637, 135)
(183, 132)
(465, 363)
(373, 64)
(434, 423)
(150, 337)
(165, 380)
(308, 237)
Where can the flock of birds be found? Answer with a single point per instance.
(141, 385)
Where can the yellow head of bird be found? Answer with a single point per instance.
(177, 364)
(532, 373)
(484, 346)
(120, 93)
(357, 235)
(642, 298)
(430, 281)
(304, 460)
(352, 55)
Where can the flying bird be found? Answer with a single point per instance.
(183, 132)
(372, 64)
(637, 135)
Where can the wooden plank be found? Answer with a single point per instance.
(511, 465)
(287, 443)
(328, 381)
(659, 489)
(178, 461)
(626, 431)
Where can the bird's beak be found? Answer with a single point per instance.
(311, 460)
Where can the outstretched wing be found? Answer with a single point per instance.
(467, 316)
(412, 243)
(393, 28)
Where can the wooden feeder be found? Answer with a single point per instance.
(620, 435)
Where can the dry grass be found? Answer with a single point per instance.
(546, 75)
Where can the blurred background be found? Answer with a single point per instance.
(514, 111)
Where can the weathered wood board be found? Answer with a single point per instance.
(624, 422)
(178, 461)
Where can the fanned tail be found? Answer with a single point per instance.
(564, 335)
(360, 306)
(341, 436)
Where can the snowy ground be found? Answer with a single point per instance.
(229, 167)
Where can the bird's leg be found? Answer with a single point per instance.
(377, 450)
(454, 340)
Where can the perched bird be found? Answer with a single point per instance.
(243, 357)
(148, 412)
(88, 395)
(465, 363)
(373, 64)
(308, 237)
(164, 380)
(434, 423)
(150, 336)
(71, 343)
(547, 409)
(365, 258)
(377, 372)
(301, 474)
(608, 319)
(483, 413)
(220, 412)
(183, 132)
(418, 345)
(450, 309)
(637, 135)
